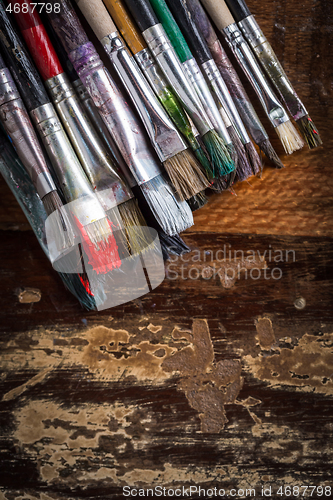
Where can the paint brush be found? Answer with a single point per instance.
(88, 214)
(168, 243)
(173, 215)
(183, 169)
(22, 187)
(203, 62)
(234, 85)
(155, 77)
(109, 187)
(161, 48)
(277, 115)
(16, 122)
(264, 52)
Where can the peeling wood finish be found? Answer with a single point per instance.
(219, 377)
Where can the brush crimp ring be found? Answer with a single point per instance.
(161, 131)
(223, 95)
(151, 70)
(169, 63)
(120, 120)
(93, 155)
(272, 66)
(246, 59)
(8, 89)
(196, 78)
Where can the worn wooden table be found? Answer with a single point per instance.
(214, 380)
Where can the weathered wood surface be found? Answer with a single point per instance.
(204, 382)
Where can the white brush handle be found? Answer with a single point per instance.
(219, 12)
(98, 17)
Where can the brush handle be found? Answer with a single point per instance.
(238, 9)
(126, 25)
(143, 13)
(97, 16)
(186, 23)
(59, 49)
(219, 12)
(20, 64)
(172, 29)
(67, 25)
(229, 75)
(37, 39)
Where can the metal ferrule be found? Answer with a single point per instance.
(272, 66)
(116, 114)
(71, 176)
(168, 61)
(151, 70)
(160, 129)
(223, 96)
(89, 148)
(18, 126)
(102, 129)
(195, 76)
(246, 59)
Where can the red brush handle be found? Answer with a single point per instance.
(37, 40)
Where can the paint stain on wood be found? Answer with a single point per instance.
(28, 295)
(306, 366)
(265, 334)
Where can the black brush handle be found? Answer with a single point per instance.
(67, 26)
(143, 13)
(193, 36)
(59, 48)
(238, 9)
(18, 61)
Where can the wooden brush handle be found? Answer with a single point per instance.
(67, 26)
(172, 29)
(18, 61)
(126, 25)
(194, 38)
(143, 13)
(238, 9)
(97, 16)
(219, 12)
(37, 40)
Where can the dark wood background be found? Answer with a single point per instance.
(206, 382)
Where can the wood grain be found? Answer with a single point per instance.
(211, 380)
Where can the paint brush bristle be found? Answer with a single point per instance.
(243, 167)
(254, 158)
(135, 226)
(173, 244)
(221, 162)
(204, 162)
(271, 154)
(61, 225)
(309, 131)
(99, 232)
(290, 138)
(174, 216)
(185, 174)
(197, 201)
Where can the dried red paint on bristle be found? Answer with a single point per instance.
(104, 259)
(86, 284)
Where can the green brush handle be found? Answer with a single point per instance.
(172, 30)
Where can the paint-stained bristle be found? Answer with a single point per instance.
(309, 131)
(197, 201)
(217, 149)
(254, 158)
(173, 244)
(290, 138)
(224, 182)
(243, 168)
(204, 161)
(98, 232)
(174, 216)
(185, 174)
(138, 235)
(271, 154)
(61, 225)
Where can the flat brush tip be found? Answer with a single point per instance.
(309, 132)
(186, 174)
(221, 161)
(270, 153)
(290, 138)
